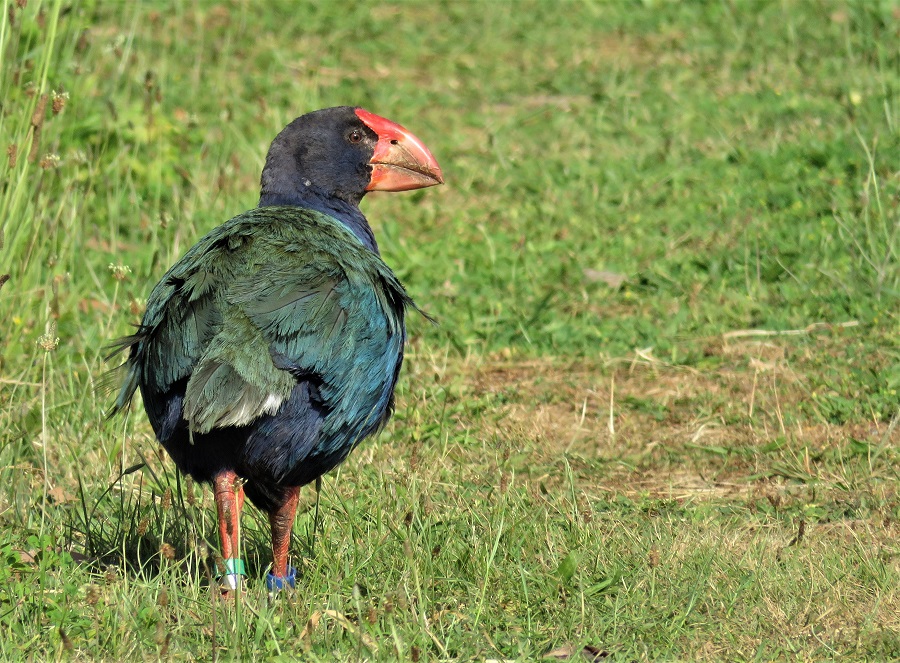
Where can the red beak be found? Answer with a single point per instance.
(401, 161)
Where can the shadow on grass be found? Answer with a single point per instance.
(149, 519)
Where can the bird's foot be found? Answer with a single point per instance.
(276, 583)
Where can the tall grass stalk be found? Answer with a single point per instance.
(21, 131)
(875, 232)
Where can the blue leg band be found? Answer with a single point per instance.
(276, 584)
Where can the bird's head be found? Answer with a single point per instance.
(345, 152)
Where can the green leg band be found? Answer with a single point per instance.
(234, 569)
(235, 566)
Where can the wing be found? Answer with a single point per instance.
(340, 327)
(273, 297)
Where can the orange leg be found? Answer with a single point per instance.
(229, 495)
(282, 521)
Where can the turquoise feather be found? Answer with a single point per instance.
(274, 295)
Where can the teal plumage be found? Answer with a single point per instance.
(299, 292)
(273, 346)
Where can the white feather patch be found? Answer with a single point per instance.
(272, 403)
(249, 408)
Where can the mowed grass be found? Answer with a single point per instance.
(658, 418)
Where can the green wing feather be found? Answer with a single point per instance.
(281, 283)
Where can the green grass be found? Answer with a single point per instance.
(659, 416)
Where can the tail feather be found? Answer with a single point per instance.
(125, 377)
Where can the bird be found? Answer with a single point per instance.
(273, 346)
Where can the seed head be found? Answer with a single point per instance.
(49, 341)
(92, 594)
(110, 575)
(59, 101)
(189, 490)
(50, 161)
(66, 641)
(119, 272)
(37, 118)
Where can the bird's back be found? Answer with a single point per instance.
(271, 348)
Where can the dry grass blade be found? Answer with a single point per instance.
(809, 329)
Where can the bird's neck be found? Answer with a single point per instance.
(314, 199)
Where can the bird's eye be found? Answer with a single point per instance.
(355, 136)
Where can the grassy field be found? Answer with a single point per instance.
(658, 419)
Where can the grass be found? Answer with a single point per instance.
(659, 416)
